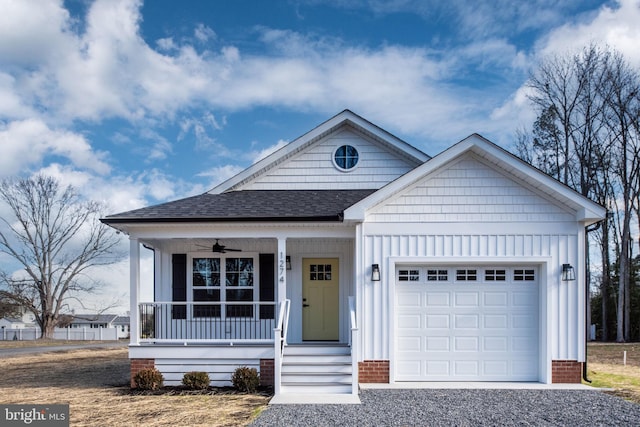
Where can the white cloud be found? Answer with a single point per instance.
(615, 26)
(203, 33)
(257, 156)
(25, 143)
(218, 175)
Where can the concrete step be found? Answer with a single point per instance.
(326, 368)
(316, 349)
(317, 359)
(316, 388)
(316, 378)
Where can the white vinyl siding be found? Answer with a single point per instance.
(469, 191)
(314, 167)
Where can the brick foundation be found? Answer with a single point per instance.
(267, 372)
(139, 364)
(566, 371)
(373, 371)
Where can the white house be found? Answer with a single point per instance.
(349, 256)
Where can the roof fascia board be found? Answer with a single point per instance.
(589, 212)
(336, 121)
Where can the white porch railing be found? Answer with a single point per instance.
(280, 342)
(228, 322)
(353, 342)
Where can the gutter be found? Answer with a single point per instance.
(129, 220)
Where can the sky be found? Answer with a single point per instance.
(137, 103)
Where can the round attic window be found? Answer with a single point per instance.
(345, 157)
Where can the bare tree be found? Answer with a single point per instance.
(621, 90)
(56, 237)
(587, 135)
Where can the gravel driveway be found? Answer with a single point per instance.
(462, 408)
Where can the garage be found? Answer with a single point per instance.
(467, 323)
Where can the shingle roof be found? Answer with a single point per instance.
(249, 205)
(94, 318)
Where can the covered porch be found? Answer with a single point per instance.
(250, 301)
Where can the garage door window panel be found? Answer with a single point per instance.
(466, 275)
(409, 275)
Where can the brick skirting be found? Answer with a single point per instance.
(566, 371)
(139, 364)
(373, 371)
(267, 372)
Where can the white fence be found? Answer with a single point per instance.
(70, 334)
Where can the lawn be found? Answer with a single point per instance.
(606, 368)
(95, 385)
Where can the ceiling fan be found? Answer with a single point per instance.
(221, 249)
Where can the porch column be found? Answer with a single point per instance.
(282, 268)
(134, 283)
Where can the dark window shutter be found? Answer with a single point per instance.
(179, 285)
(267, 285)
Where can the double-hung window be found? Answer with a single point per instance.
(223, 279)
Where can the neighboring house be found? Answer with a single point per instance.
(93, 321)
(24, 319)
(122, 325)
(14, 327)
(379, 263)
(15, 323)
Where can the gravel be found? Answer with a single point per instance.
(462, 408)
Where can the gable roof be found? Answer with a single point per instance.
(337, 122)
(248, 205)
(586, 210)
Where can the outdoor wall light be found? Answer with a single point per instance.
(567, 273)
(375, 273)
(288, 262)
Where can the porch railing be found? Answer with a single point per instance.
(280, 342)
(226, 322)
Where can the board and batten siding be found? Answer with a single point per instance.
(469, 213)
(313, 168)
(431, 248)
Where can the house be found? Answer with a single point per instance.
(92, 321)
(22, 319)
(349, 256)
(121, 323)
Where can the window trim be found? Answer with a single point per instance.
(335, 163)
(223, 287)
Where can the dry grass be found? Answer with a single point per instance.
(606, 368)
(95, 385)
(43, 343)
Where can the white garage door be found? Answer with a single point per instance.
(466, 324)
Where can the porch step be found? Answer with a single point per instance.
(319, 369)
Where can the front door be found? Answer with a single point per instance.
(320, 299)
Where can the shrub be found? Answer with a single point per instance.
(148, 379)
(245, 379)
(196, 380)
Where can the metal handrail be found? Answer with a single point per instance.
(353, 342)
(280, 341)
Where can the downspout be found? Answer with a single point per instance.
(588, 229)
